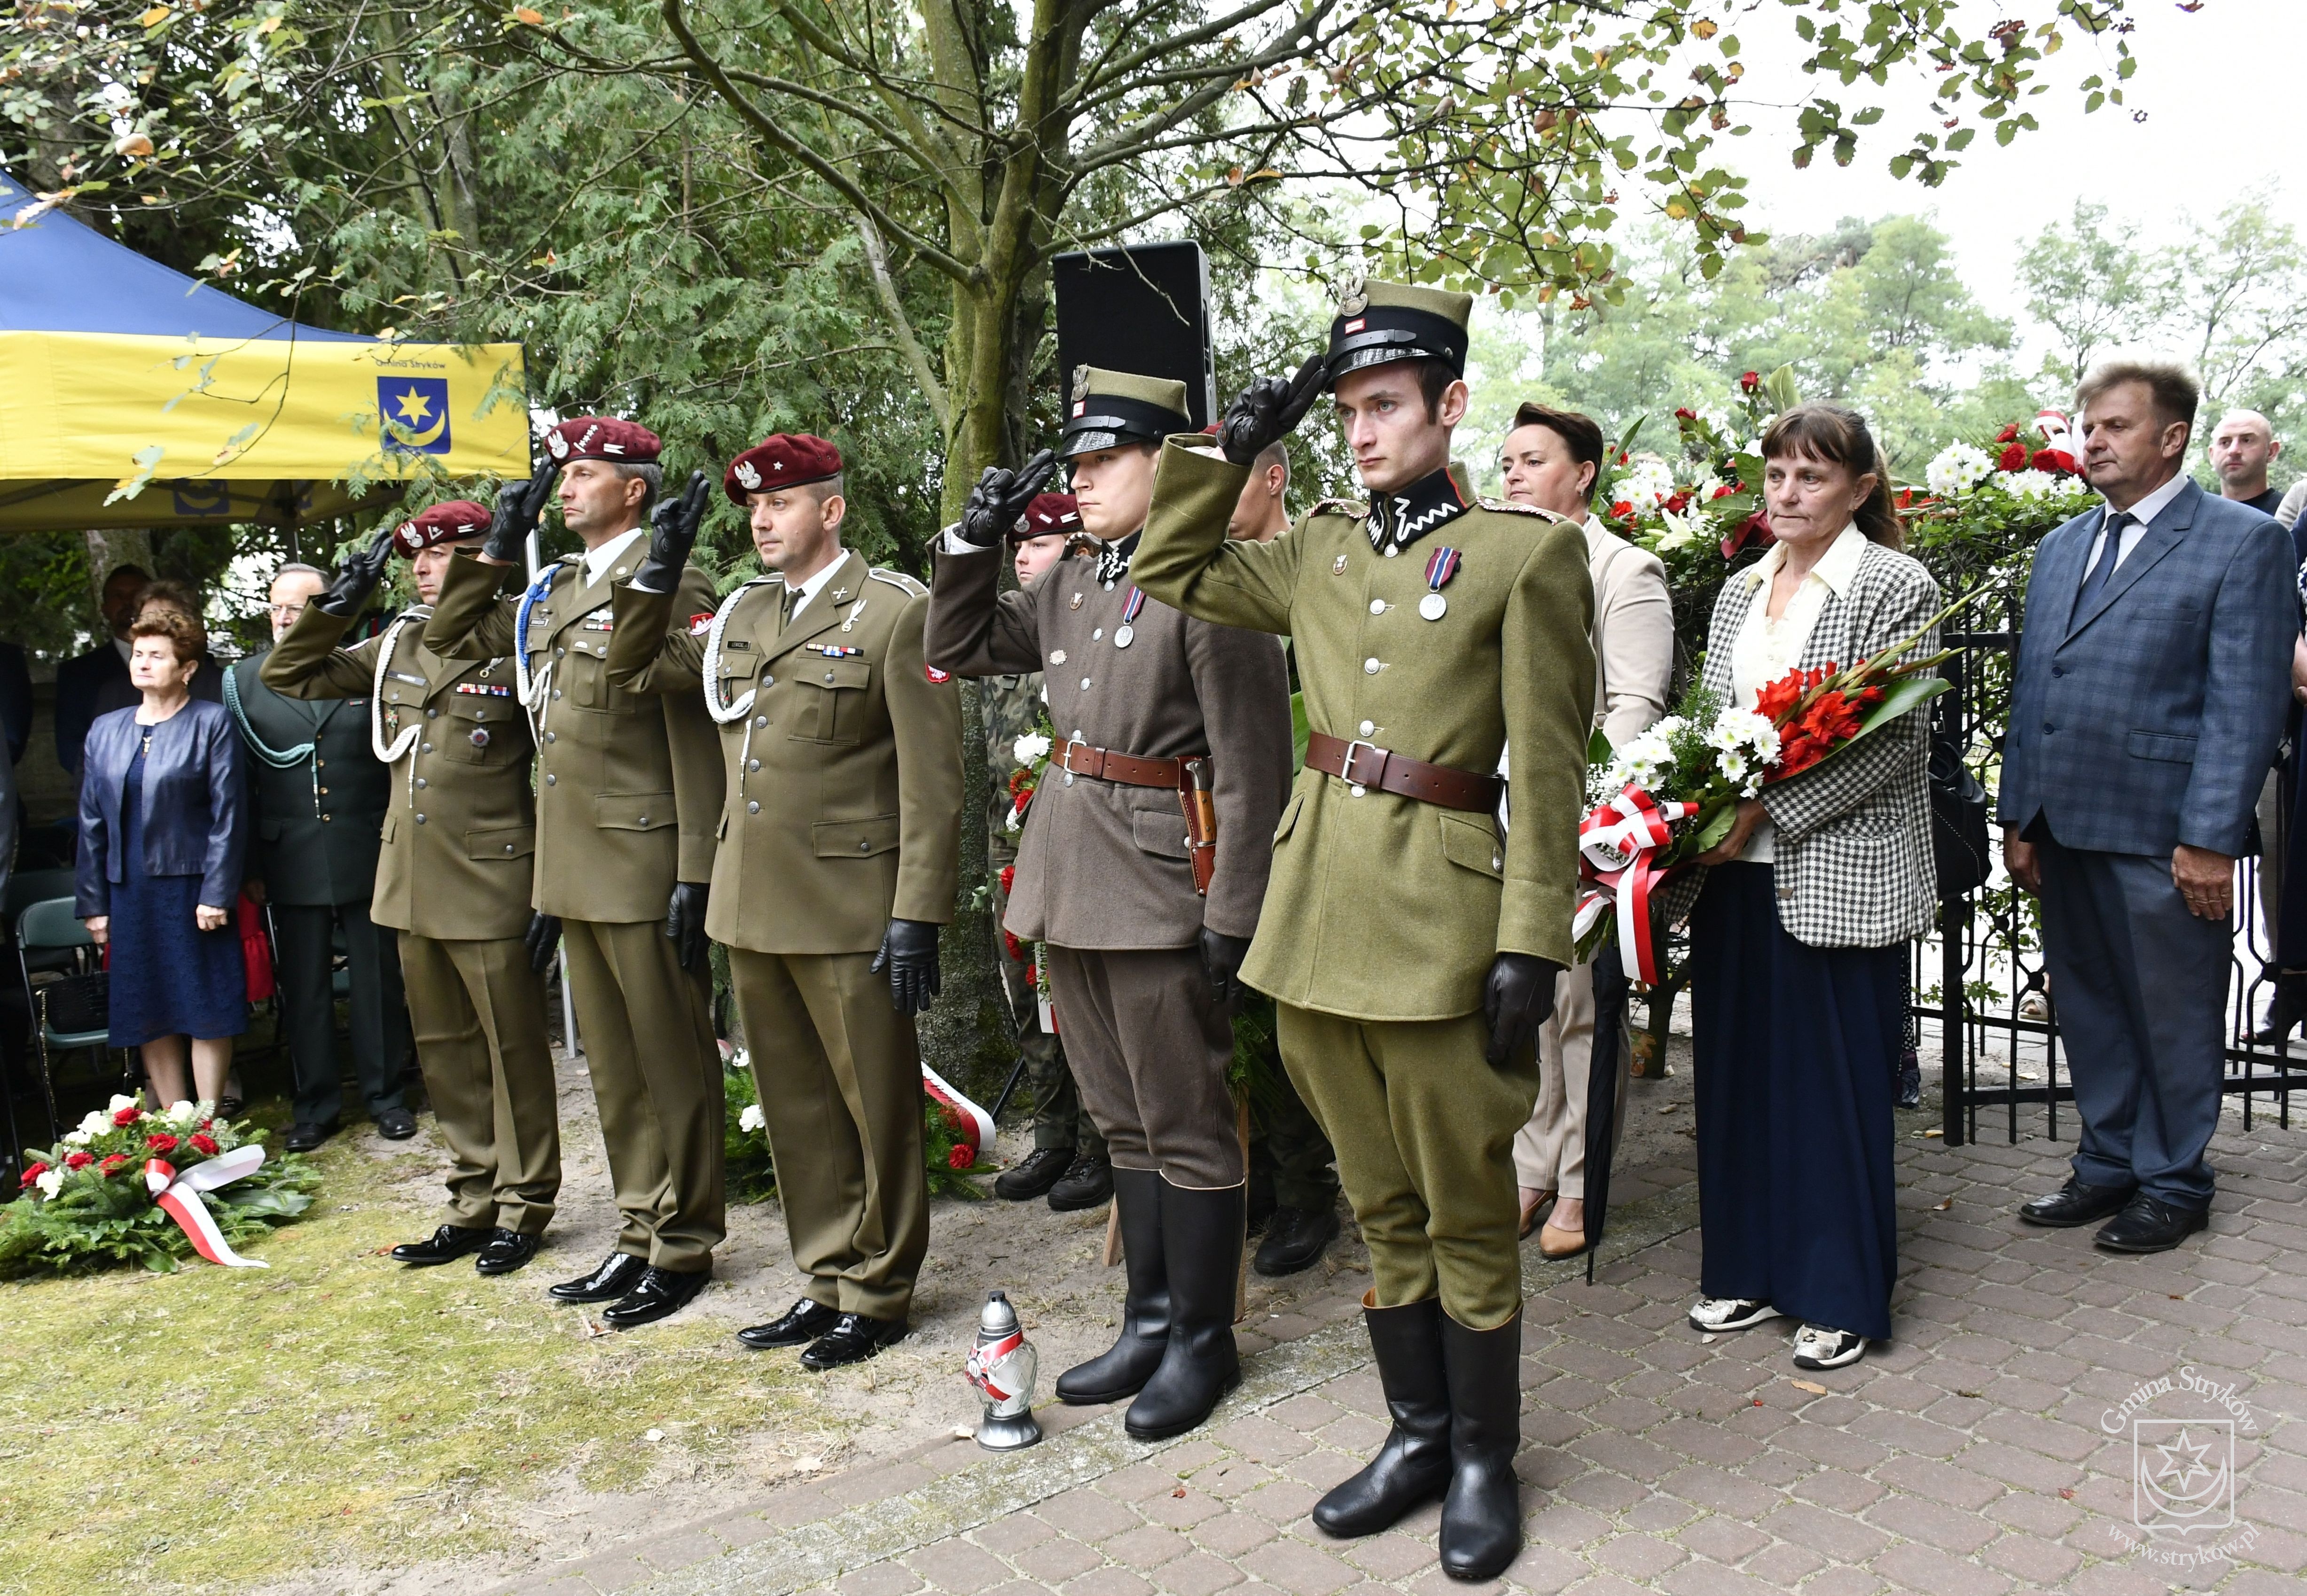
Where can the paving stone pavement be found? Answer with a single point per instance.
(1988, 1449)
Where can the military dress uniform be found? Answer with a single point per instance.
(1104, 879)
(841, 811)
(1430, 627)
(628, 792)
(319, 803)
(454, 880)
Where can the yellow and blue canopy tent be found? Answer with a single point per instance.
(135, 395)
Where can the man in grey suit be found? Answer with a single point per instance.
(2151, 693)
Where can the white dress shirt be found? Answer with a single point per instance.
(2142, 513)
(810, 588)
(597, 560)
(1765, 649)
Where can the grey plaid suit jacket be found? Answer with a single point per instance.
(2151, 721)
(1853, 844)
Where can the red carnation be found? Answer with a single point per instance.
(2013, 457)
(1620, 510)
(2008, 433)
(113, 1164)
(1020, 778)
(79, 1160)
(32, 1172)
(127, 1116)
(1008, 878)
(1680, 501)
(1624, 457)
(1024, 798)
(1724, 490)
(961, 1157)
(1685, 415)
(1748, 381)
(162, 1143)
(1017, 949)
(204, 1144)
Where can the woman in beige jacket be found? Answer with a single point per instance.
(1552, 460)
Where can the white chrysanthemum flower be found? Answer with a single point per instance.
(1030, 746)
(49, 1180)
(1714, 417)
(751, 1118)
(2030, 483)
(1957, 468)
(1744, 731)
(1649, 482)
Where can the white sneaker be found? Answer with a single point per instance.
(1716, 1314)
(1817, 1346)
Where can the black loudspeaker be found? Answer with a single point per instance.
(1144, 309)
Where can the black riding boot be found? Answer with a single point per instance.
(1201, 1238)
(2284, 1010)
(1413, 1466)
(1125, 1366)
(1482, 1515)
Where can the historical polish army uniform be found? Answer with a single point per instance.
(1136, 690)
(628, 789)
(319, 801)
(453, 879)
(1430, 627)
(840, 819)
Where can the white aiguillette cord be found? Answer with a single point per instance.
(534, 698)
(725, 713)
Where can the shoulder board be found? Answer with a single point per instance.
(899, 579)
(1509, 508)
(1353, 507)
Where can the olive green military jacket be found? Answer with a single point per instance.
(460, 832)
(629, 784)
(842, 779)
(1384, 907)
(317, 820)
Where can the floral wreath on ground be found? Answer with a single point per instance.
(1032, 751)
(129, 1186)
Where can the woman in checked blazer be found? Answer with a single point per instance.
(1798, 940)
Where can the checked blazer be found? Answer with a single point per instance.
(1852, 848)
(2152, 720)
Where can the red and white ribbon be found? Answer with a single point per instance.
(179, 1196)
(973, 1127)
(1615, 844)
(993, 1368)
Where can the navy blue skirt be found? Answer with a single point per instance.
(169, 978)
(1795, 1053)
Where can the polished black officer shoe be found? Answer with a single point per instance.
(305, 1135)
(508, 1250)
(2149, 1225)
(1412, 1467)
(2078, 1202)
(798, 1324)
(618, 1273)
(1034, 1175)
(1086, 1183)
(1294, 1240)
(852, 1339)
(396, 1125)
(659, 1293)
(444, 1245)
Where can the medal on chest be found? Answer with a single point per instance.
(1440, 566)
(1125, 632)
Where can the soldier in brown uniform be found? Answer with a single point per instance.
(839, 851)
(453, 879)
(1143, 968)
(628, 788)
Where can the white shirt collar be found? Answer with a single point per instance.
(810, 588)
(1836, 567)
(597, 560)
(2154, 504)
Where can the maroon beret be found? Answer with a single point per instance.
(603, 438)
(448, 522)
(782, 460)
(1048, 515)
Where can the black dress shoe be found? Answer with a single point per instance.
(852, 1339)
(396, 1125)
(660, 1293)
(2149, 1225)
(229, 1107)
(801, 1323)
(507, 1251)
(2078, 1202)
(303, 1135)
(1294, 1240)
(444, 1245)
(619, 1272)
(1034, 1175)
(1088, 1182)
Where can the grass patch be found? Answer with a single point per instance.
(216, 1427)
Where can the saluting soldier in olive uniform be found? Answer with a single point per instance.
(453, 880)
(839, 852)
(629, 785)
(1410, 949)
(1143, 970)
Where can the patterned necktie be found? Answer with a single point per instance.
(786, 611)
(2102, 567)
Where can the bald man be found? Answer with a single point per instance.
(2242, 446)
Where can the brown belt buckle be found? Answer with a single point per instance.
(1346, 767)
(1066, 756)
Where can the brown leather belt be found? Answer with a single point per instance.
(1107, 765)
(1366, 764)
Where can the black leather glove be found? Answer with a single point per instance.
(1001, 497)
(1222, 957)
(1268, 411)
(518, 504)
(1516, 1000)
(358, 577)
(684, 922)
(543, 936)
(909, 953)
(673, 533)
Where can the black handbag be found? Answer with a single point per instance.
(1960, 801)
(78, 1003)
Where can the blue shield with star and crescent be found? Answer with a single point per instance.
(415, 414)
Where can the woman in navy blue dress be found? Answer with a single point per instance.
(163, 831)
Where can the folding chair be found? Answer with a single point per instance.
(44, 930)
